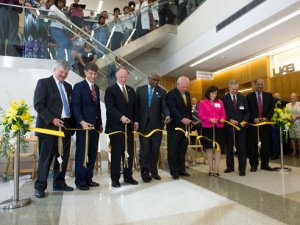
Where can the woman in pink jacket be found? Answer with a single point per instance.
(212, 114)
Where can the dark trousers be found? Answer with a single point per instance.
(177, 147)
(117, 142)
(276, 140)
(9, 20)
(83, 175)
(265, 138)
(48, 148)
(240, 144)
(149, 151)
(116, 40)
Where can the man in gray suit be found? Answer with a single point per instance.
(151, 108)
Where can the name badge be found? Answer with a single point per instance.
(217, 105)
(89, 54)
(242, 107)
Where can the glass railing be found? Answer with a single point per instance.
(53, 37)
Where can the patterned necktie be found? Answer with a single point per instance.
(93, 91)
(64, 99)
(259, 104)
(184, 99)
(234, 102)
(150, 94)
(125, 93)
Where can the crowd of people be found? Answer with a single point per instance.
(229, 122)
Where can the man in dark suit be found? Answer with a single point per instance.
(237, 111)
(52, 103)
(151, 107)
(120, 108)
(179, 103)
(87, 114)
(261, 105)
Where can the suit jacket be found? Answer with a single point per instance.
(151, 117)
(242, 110)
(206, 111)
(267, 105)
(83, 105)
(178, 109)
(48, 104)
(116, 107)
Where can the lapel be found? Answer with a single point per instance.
(89, 92)
(153, 96)
(120, 93)
(55, 89)
(180, 98)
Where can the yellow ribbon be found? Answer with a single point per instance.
(217, 144)
(117, 132)
(60, 151)
(231, 124)
(47, 131)
(185, 133)
(258, 124)
(149, 134)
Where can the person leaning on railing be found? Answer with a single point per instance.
(101, 35)
(129, 20)
(9, 20)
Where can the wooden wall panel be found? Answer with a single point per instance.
(168, 82)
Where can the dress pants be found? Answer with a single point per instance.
(177, 148)
(149, 151)
(48, 148)
(83, 175)
(265, 138)
(240, 144)
(117, 142)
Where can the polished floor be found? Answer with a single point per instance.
(262, 197)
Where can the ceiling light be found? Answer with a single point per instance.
(264, 29)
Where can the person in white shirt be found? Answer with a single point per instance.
(116, 39)
(58, 33)
(143, 20)
(129, 20)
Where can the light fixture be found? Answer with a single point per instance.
(245, 90)
(100, 4)
(262, 30)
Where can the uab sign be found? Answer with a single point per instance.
(283, 70)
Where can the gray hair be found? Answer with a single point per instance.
(60, 64)
(232, 82)
(182, 78)
(154, 73)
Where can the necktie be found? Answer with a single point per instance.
(125, 93)
(64, 99)
(184, 99)
(93, 91)
(259, 104)
(234, 102)
(150, 94)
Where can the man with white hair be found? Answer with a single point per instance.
(179, 103)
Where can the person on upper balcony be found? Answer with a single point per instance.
(76, 14)
(129, 20)
(9, 27)
(143, 19)
(116, 39)
(101, 35)
(58, 33)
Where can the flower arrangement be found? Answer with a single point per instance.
(15, 120)
(283, 119)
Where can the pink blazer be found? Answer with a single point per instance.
(207, 110)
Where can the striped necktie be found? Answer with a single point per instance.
(93, 91)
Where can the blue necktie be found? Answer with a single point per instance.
(149, 96)
(64, 99)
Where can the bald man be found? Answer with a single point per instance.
(120, 107)
(179, 103)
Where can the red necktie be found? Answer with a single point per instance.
(259, 104)
(94, 93)
(234, 102)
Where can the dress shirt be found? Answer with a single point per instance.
(63, 114)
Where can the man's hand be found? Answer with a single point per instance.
(167, 119)
(125, 120)
(136, 126)
(57, 122)
(234, 122)
(86, 125)
(186, 121)
(101, 129)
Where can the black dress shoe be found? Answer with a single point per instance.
(185, 174)
(156, 176)
(93, 184)
(175, 176)
(268, 168)
(63, 188)
(274, 157)
(131, 181)
(242, 173)
(82, 187)
(115, 183)
(253, 169)
(228, 170)
(39, 194)
(146, 177)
